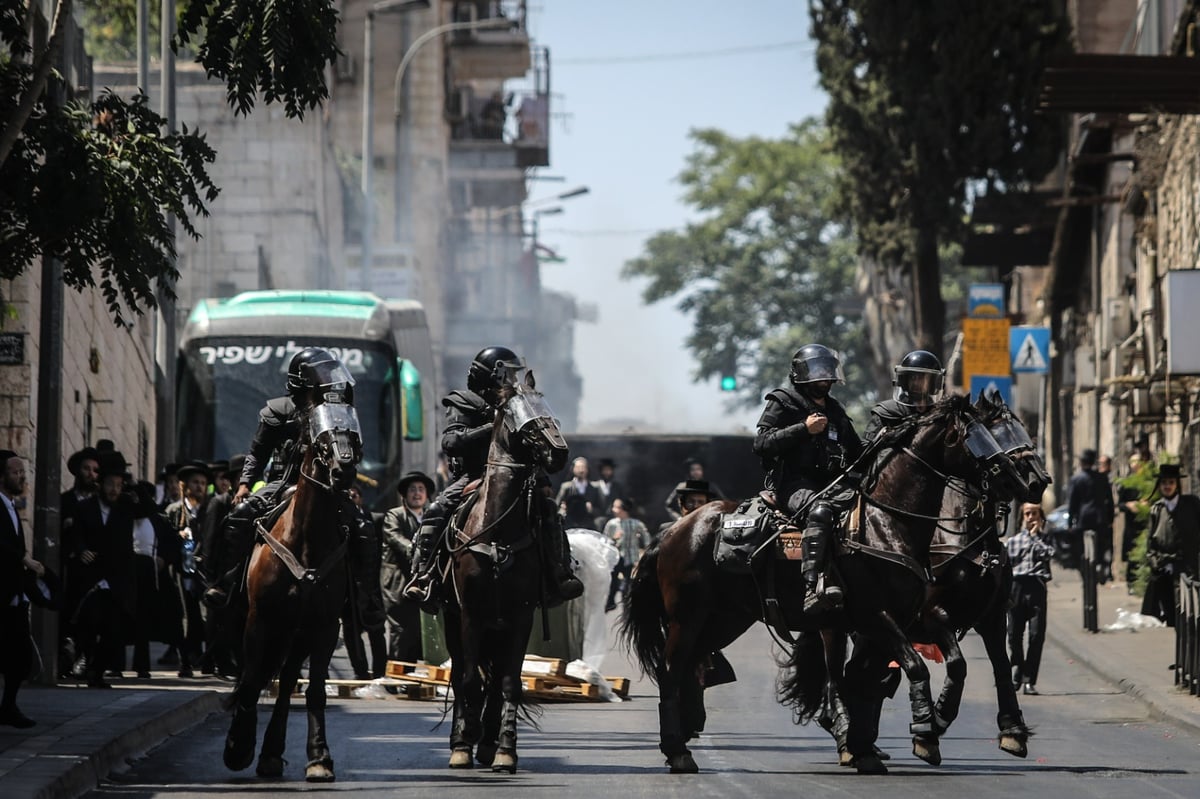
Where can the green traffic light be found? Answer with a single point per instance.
(729, 383)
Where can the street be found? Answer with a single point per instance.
(1091, 741)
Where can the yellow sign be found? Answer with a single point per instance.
(985, 349)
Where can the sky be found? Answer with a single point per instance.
(624, 103)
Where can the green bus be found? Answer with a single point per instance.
(234, 354)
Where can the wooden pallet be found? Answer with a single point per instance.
(620, 686)
(417, 672)
(544, 667)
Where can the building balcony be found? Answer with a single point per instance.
(489, 53)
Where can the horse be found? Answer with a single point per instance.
(495, 572)
(970, 589)
(682, 606)
(296, 586)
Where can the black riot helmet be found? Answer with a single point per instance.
(814, 363)
(314, 368)
(918, 379)
(488, 369)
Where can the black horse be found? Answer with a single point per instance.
(495, 572)
(296, 588)
(970, 589)
(682, 606)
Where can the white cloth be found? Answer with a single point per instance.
(144, 542)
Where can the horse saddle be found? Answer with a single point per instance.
(743, 532)
(266, 521)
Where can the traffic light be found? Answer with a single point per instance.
(729, 382)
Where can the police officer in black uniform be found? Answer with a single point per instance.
(806, 440)
(311, 370)
(470, 415)
(918, 381)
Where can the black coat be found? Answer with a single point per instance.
(278, 423)
(1089, 501)
(791, 456)
(112, 541)
(12, 559)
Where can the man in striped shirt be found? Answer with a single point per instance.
(631, 537)
(1030, 556)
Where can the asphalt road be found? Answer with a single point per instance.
(1091, 741)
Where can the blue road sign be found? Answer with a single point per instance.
(985, 299)
(1030, 349)
(981, 383)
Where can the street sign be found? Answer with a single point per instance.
(985, 348)
(985, 300)
(981, 383)
(1029, 348)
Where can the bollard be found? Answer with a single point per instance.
(1183, 601)
(1087, 569)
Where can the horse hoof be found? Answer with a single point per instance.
(461, 758)
(928, 750)
(845, 758)
(882, 755)
(683, 764)
(270, 766)
(1014, 745)
(318, 772)
(484, 755)
(238, 758)
(869, 764)
(505, 762)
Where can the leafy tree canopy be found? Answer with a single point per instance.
(928, 100)
(94, 184)
(765, 270)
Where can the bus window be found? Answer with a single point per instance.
(412, 406)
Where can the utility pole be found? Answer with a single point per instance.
(164, 356)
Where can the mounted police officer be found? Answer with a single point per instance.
(806, 440)
(311, 372)
(918, 381)
(470, 415)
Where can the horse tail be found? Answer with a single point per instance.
(643, 621)
(803, 677)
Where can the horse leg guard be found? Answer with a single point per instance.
(239, 741)
(365, 565)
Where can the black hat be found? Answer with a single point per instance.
(113, 464)
(218, 468)
(106, 445)
(168, 471)
(186, 471)
(609, 462)
(44, 591)
(87, 453)
(687, 464)
(237, 464)
(1088, 457)
(413, 477)
(5, 454)
(1170, 471)
(693, 487)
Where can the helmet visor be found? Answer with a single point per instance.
(917, 386)
(814, 370)
(508, 373)
(1011, 435)
(328, 374)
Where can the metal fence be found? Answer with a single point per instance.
(1187, 634)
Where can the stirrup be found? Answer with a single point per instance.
(216, 597)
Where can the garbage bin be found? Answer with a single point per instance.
(566, 634)
(433, 639)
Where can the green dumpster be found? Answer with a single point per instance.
(566, 624)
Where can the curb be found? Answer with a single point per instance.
(85, 774)
(1127, 686)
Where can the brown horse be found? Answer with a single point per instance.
(495, 573)
(971, 582)
(682, 606)
(296, 588)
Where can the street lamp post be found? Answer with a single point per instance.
(368, 133)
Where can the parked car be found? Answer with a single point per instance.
(1068, 548)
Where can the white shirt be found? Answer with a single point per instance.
(1171, 503)
(144, 542)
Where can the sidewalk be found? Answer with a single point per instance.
(1134, 661)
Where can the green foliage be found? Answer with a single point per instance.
(930, 100)
(92, 186)
(278, 47)
(1144, 480)
(765, 268)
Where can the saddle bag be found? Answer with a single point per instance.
(742, 533)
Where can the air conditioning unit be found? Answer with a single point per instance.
(344, 68)
(1147, 403)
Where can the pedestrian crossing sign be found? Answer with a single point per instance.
(1030, 349)
(982, 383)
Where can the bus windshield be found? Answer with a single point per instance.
(224, 382)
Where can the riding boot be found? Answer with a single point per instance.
(420, 588)
(557, 558)
(365, 565)
(228, 560)
(819, 595)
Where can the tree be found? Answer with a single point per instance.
(766, 269)
(929, 101)
(94, 184)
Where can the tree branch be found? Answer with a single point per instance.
(41, 74)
